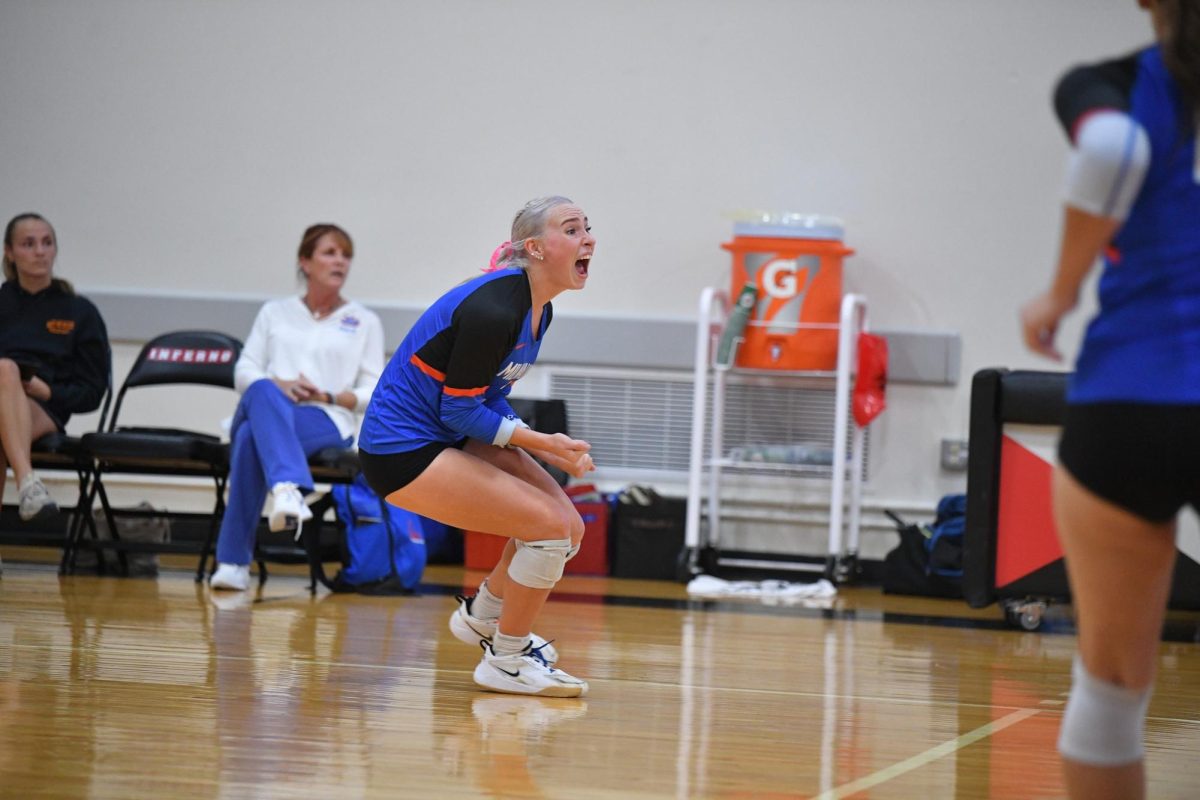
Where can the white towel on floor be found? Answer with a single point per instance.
(767, 591)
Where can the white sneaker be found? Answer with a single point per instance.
(472, 630)
(288, 511)
(35, 501)
(235, 577)
(525, 673)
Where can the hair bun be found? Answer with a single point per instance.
(498, 255)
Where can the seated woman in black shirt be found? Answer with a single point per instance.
(54, 358)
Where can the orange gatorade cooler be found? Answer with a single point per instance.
(795, 260)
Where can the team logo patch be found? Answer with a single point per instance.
(349, 323)
(190, 355)
(60, 326)
(513, 372)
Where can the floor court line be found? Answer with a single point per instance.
(861, 698)
(930, 755)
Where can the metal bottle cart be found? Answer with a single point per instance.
(702, 552)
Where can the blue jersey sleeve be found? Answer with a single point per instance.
(484, 335)
(498, 402)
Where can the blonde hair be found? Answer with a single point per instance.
(529, 223)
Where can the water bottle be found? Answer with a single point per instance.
(736, 324)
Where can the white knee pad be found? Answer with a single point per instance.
(539, 564)
(1103, 723)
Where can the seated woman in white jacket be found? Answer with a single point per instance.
(308, 366)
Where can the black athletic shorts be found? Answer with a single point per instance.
(391, 471)
(1144, 458)
(58, 423)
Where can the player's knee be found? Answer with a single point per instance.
(575, 527)
(577, 531)
(539, 563)
(1103, 722)
(556, 522)
(10, 373)
(261, 385)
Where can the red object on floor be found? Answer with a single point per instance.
(481, 551)
(592, 558)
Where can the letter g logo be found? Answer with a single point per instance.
(779, 279)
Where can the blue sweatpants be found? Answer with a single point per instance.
(272, 438)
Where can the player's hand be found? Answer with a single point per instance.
(308, 388)
(298, 390)
(575, 463)
(37, 388)
(564, 447)
(1039, 323)
(579, 466)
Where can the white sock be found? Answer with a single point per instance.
(486, 605)
(505, 645)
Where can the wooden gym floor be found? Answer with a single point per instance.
(127, 688)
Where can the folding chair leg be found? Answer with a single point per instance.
(73, 523)
(214, 525)
(74, 528)
(310, 538)
(101, 565)
(75, 532)
(202, 567)
(111, 519)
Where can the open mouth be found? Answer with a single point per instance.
(581, 266)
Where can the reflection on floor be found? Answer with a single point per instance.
(146, 688)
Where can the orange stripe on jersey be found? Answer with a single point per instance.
(428, 370)
(464, 392)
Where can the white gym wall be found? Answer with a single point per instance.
(180, 148)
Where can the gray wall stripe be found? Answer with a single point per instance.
(923, 357)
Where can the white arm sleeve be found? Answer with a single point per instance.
(1108, 164)
(508, 427)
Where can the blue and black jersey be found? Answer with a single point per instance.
(1144, 344)
(450, 377)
